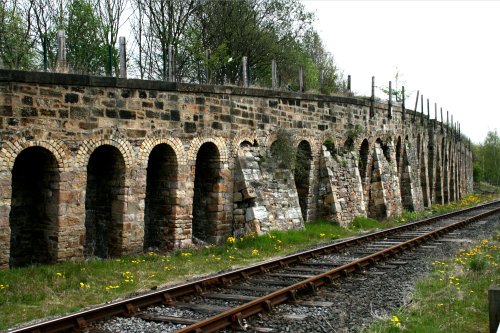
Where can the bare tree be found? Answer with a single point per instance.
(167, 22)
(110, 12)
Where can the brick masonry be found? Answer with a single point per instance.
(88, 130)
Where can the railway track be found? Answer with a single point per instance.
(196, 306)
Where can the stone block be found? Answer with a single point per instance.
(249, 193)
(256, 213)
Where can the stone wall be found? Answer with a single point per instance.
(157, 165)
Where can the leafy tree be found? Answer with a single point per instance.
(87, 52)
(487, 159)
(16, 42)
(397, 87)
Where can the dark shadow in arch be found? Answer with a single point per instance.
(206, 189)
(161, 184)
(104, 203)
(302, 175)
(34, 214)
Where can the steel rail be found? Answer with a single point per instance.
(81, 320)
(234, 316)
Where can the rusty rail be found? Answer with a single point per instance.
(81, 320)
(234, 316)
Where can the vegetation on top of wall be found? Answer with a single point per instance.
(209, 39)
(330, 145)
(353, 134)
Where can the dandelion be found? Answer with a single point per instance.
(231, 258)
(321, 235)
(4, 286)
(255, 252)
(112, 287)
(186, 254)
(396, 322)
(82, 285)
(231, 240)
(439, 304)
(59, 274)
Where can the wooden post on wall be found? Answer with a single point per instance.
(322, 82)
(442, 125)
(245, 71)
(301, 79)
(207, 67)
(62, 65)
(171, 63)
(403, 107)
(389, 107)
(123, 58)
(428, 113)
(372, 99)
(416, 105)
(421, 109)
(435, 115)
(274, 74)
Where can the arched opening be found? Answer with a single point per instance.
(386, 150)
(376, 203)
(34, 211)
(453, 182)
(398, 154)
(423, 179)
(246, 144)
(302, 175)
(161, 184)
(363, 159)
(439, 181)
(445, 172)
(405, 183)
(104, 202)
(206, 188)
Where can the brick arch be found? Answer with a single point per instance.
(13, 148)
(150, 143)
(88, 147)
(313, 143)
(241, 137)
(197, 142)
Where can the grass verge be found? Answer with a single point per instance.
(36, 292)
(454, 297)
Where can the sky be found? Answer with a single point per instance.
(448, 50)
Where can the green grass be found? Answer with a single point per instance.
(454, 297)
(36, 292)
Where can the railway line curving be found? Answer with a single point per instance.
(226, 301)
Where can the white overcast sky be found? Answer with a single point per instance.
(449, 50)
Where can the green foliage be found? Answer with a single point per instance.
(352, 135)
(487, 159)
(283, 150)
(87, 53)
(454, 297)
(16, 43)
(330, 146)
(361, 222)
